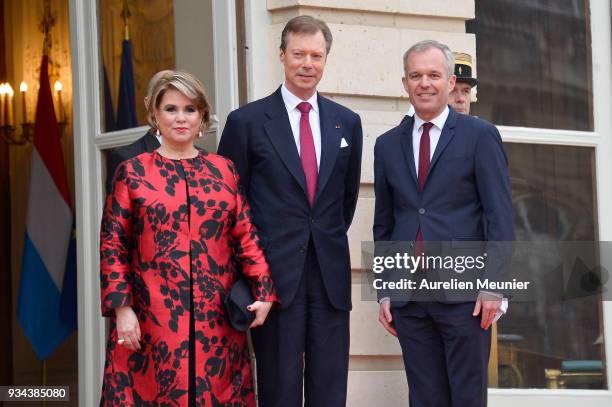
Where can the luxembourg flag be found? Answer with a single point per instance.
(48, 232)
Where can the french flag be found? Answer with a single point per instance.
(48, 232)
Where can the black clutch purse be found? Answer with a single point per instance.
(236, 302)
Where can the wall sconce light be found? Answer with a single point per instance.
(8, 129)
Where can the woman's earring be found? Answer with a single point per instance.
(200, 134)
(157, 132)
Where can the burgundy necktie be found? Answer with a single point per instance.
(308, 155)
(423, 171)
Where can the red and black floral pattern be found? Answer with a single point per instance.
(170, 228)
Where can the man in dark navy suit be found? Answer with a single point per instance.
(299, 156)
(147, 143)
(441, 176)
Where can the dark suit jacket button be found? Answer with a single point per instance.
(422, 211)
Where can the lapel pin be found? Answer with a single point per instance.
(337, 125)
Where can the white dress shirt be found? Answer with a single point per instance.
(434, 134)
(410, 111)
(291, 103)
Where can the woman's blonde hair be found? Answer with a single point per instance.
(189, 86)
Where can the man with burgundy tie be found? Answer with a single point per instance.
(298, 155)
(441, 176)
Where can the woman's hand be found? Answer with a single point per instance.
(128, 328)
(261, 310)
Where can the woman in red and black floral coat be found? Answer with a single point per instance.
(174, 227)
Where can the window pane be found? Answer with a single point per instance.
(164, 34)
(151, 37)
(534, 63)
(554, 200)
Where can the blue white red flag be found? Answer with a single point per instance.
(126, 107)
(48, 232)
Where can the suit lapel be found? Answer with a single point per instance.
(279, 131)
(445, 137)
(331, 134)
(150, 142)
(406, 141)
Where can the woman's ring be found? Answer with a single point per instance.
(120, 341)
